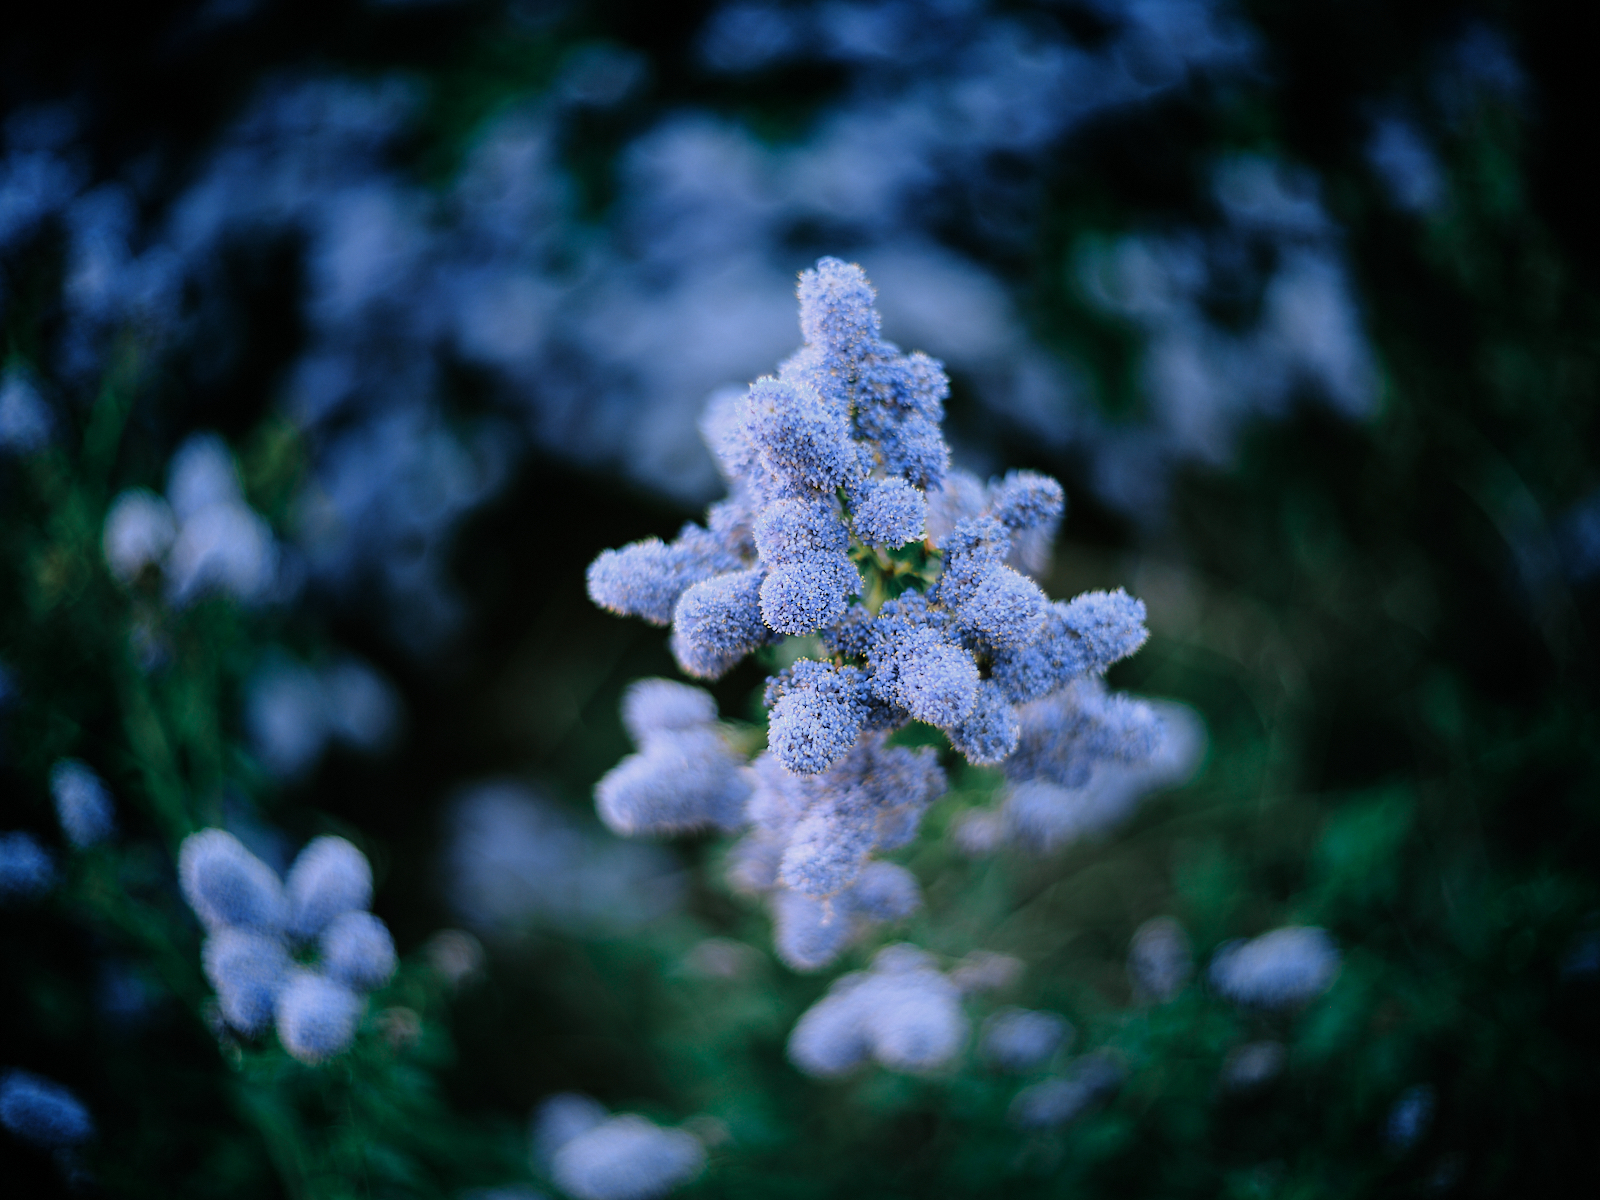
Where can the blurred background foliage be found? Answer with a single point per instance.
(1382, 606)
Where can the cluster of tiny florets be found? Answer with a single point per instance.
(685, 775)
(298, 952)
(846, 524)
(809, 850)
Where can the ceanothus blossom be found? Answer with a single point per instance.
(26, 869)
(1021, 1039)
(1087, 1082)
(299, 952)
(41, 1111)
(903, 1013)
(845, 524)
(595, 1156)
(202, 538)
(1160, 960)
(83, 805)
(1280, 969)
(685, 775)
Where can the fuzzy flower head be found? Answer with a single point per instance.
(1280, 969)
(203, 538)
(41, 1111)
(1020, 1039)
(26, 869)
(685, 775)
(623, 1157)
(1159, 960)
(845, 524)
(83, 805)
(903, 1013)
(299, 955)
(844, 521)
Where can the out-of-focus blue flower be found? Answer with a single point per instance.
(559, 1119)
(660, 706)
(83, 805)
(623, 1157)
(356, 949)
(514, 860)
(25, 420)
(903, 1013)
(745, 37)
(226, 885)
(248, 969)
(203, 538)
(1280, 969)
(139, 531)
(1055, 1102)
(1410, 1117)
(1084, 760)
(316, 1016)
(1160, 960)
(684, 777)
(1252, 1066)
(1021, 1039)
(26, 869)
(293, 711)
(253, 919)
(41, 1111)
(1406, 165)
(329, 878)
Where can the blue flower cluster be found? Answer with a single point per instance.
(844, 522)
(1160, 960)
(809, 847)
(685, 776)
(255, 925)
(1051, 1103)
(41, 1111)
(593, 1156)
(203, 537)
(83, 805)
(26, 869)
(903, 1013)
(1280, 969)
(1084, 760)
(1022, 1039)
(829, 465)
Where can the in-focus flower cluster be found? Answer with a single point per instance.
(845, 525)
(299, 952)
